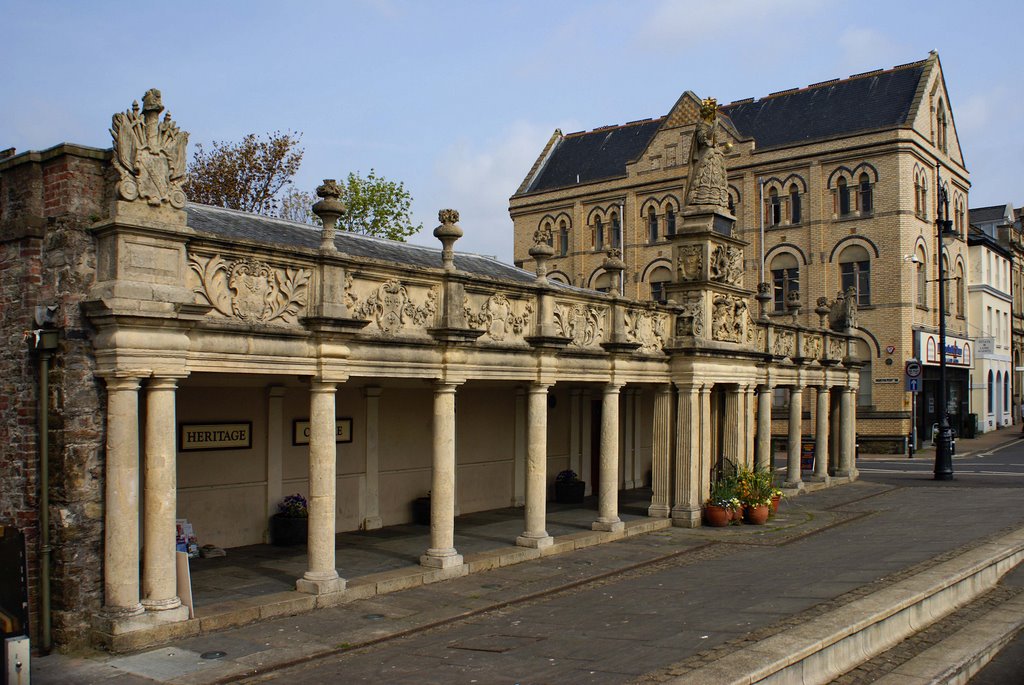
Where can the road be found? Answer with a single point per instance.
(633, 626)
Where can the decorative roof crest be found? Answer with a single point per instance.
(149, 154)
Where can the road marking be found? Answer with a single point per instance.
(956, 473)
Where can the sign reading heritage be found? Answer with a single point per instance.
(194, 437)
(300, 431)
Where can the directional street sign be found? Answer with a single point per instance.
(913, 384)
(912, 376)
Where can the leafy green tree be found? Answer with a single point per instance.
(249, 175)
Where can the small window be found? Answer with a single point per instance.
(670, 222)
(785, 279)
(563, 239)
(616, 231)
(922, 280)
(855, 272)
(844, 198)
(599, 231)
(794, 204)
(652, 226)
(551, 236)
(774, 208)
(866, 200)
(961, 290)
(658, 279)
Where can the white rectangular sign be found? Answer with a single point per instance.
(300, 431)
(194, 437)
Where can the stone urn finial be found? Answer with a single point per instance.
(822, 311)
(542, 251)
(763, 297)
(793, 303)
(448, 232)
(329, 209)
(614, 266)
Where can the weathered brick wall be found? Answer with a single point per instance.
(47, 257)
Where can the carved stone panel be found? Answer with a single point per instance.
(731, 321)
(647, 328)
(690, 262)
(582, 324)
(250, 290)
(836, 349)
(390, 306)
(784, 344)
(497, 316)
(690, 319)
(812, 346)
(726, 264)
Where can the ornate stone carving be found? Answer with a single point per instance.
(647, 328)
(391, 307)
(149, 154)
(836, 348)
(706, 185)
(497, 317)
(690, 264)
(544, 235)
(690, 319)
(583, 324)
(730, 320)
(784, 344)
(812, 346)
(249, 289)
(726, 264)
(842, 313)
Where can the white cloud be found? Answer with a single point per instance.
(695, 23)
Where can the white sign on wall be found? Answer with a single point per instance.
(959, 351)
(300, 431)
(195, 437)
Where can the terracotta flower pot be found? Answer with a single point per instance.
(757, 515)
(775, 503)
(716, 517)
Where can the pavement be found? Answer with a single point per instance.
(671, 600)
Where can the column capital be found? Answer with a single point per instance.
(122, 382)
(163, 382)
(446, 387)
(612, 387)
(323, 387)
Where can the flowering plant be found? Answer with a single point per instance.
(293, 506)
(566, 476)
(755, 487)
(723, 493)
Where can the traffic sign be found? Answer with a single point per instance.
(912, 385)
(913, 368)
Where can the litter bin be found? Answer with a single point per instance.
(971, 426)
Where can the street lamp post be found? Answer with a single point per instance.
(944, 450)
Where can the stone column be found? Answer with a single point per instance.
(371, 518)
(442, 553)
(763, 459)
(159, 571)
(704, 468)
(121, 515)
(750, 430)
(608, 498)
(536, 534)
(847, 422)
(796, 410)
(322, 576)
(661, 452)
(835, 407)
(821, 422)
(687, 502)
(519, 463)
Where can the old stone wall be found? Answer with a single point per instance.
(47, 256)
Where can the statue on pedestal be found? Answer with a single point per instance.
(707, 185)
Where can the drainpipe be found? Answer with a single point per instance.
(44, 341)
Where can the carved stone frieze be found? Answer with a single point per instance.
(690, 319)
(690, 262)
(149, 154)
(784, 343)
(391, 307)
(497, 317)
(731, 320)
(726, 265)
(582, 324)
(812, 346)
(647, 328)
(836, 348)
(249, 289)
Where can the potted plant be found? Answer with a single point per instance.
(421, 510)
(721, 502)
(756, 489)
(776, 499)
(569, 488)
(290, 525)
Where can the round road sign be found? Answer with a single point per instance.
(913, 368)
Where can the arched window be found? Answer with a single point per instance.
(563, 238)
(855, 272)
(991, 392)
(652, 226)
(785, 279)
(867, 202)
(794, 205)
(843, 194)
(1006, 392)
(670, 221)
(732, 205)
(551, 237)
(922, 193)
(922, 279)
(864, 398)
(774, 208)
(616, 231)
(598, 234)
(658, 278)
(941, 127)
(945, 284)
(961, 290)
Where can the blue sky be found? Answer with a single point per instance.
(457, 98)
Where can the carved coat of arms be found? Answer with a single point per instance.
(249, 289)
(149, 154)
(391, 307)
(690, 262)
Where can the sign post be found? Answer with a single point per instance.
(912, 384)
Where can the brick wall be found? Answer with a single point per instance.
(47, 257)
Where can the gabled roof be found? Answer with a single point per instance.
(233, 224)
(594, 155)
(863, 102)
(983, 215)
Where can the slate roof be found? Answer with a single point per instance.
(863, 102)
(594, 155)
(230, 223)
(982, 215)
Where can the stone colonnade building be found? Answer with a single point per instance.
(834, 185)
(200, 363)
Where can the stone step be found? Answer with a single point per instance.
(827, 646)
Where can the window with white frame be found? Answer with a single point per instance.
(855, 272)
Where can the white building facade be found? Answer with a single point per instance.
(990, 305)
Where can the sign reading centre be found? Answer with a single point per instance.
(300, 431)
(959, 352)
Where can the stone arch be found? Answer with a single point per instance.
(865, 167)
(795, 178)
(787, 247)
(861, 240)
(653, 264)
(837, 173)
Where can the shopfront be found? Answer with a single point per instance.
(959, 361)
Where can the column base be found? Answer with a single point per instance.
(112, 621)
(818, 479)
(320, 583)
(608, 526)
(793, 485)
(535, 541)
(161, 604)
(846, 473)
(659, 511)
(372, 523)
(118, 613)
(686, 518)
(441, 558)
